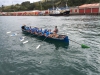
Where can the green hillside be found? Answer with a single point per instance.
(44, 5)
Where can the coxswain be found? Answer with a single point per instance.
(55, 30)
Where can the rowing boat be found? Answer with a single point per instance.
(61, 39)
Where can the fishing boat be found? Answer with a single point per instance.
(62, 11)
(61, 39)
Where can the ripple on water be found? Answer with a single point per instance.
(51, 58)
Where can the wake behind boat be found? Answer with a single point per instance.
(46, 35)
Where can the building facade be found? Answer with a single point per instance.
(86, 9)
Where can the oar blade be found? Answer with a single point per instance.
(38, 46)
(8, 32)
(14, 34)
(84, 46)
(25, 42)
(22, 38)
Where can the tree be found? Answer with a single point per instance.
(27, 3)
(45, 4)
(31, 6)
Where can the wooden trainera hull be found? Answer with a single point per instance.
(64, 41)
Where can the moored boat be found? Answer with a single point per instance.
(62, 11)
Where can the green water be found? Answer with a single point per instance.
(17, 58)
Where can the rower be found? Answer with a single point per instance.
(23, 27)
(30, 28)
(44, 32)
(55, 30)
(55, 35)
(47, 33)
(40, 31)
(36, 30)
(33, 31)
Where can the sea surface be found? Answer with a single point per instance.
(17, 58)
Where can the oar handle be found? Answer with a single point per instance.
(40, 45)
(45, 38)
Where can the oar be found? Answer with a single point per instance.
(11, 31)
(82, 45)
(25, 42)
(22, 39)
(39, 44)
(14, 34)
(8, 32)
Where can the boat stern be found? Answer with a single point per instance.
(66, 40)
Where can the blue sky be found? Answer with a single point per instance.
(10, 2)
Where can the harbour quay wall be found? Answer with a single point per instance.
(26, 13)
(85, 9)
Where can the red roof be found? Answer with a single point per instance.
(90, 5)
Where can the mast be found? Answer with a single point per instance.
(53, 4)
(41, 4)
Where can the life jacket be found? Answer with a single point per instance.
(33, 30)
(37, 30)
(43, 31)
(26, 28)
(47, 33)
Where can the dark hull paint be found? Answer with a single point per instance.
(61, 14)
(56, 41)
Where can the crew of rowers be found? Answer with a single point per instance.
(38, 31)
